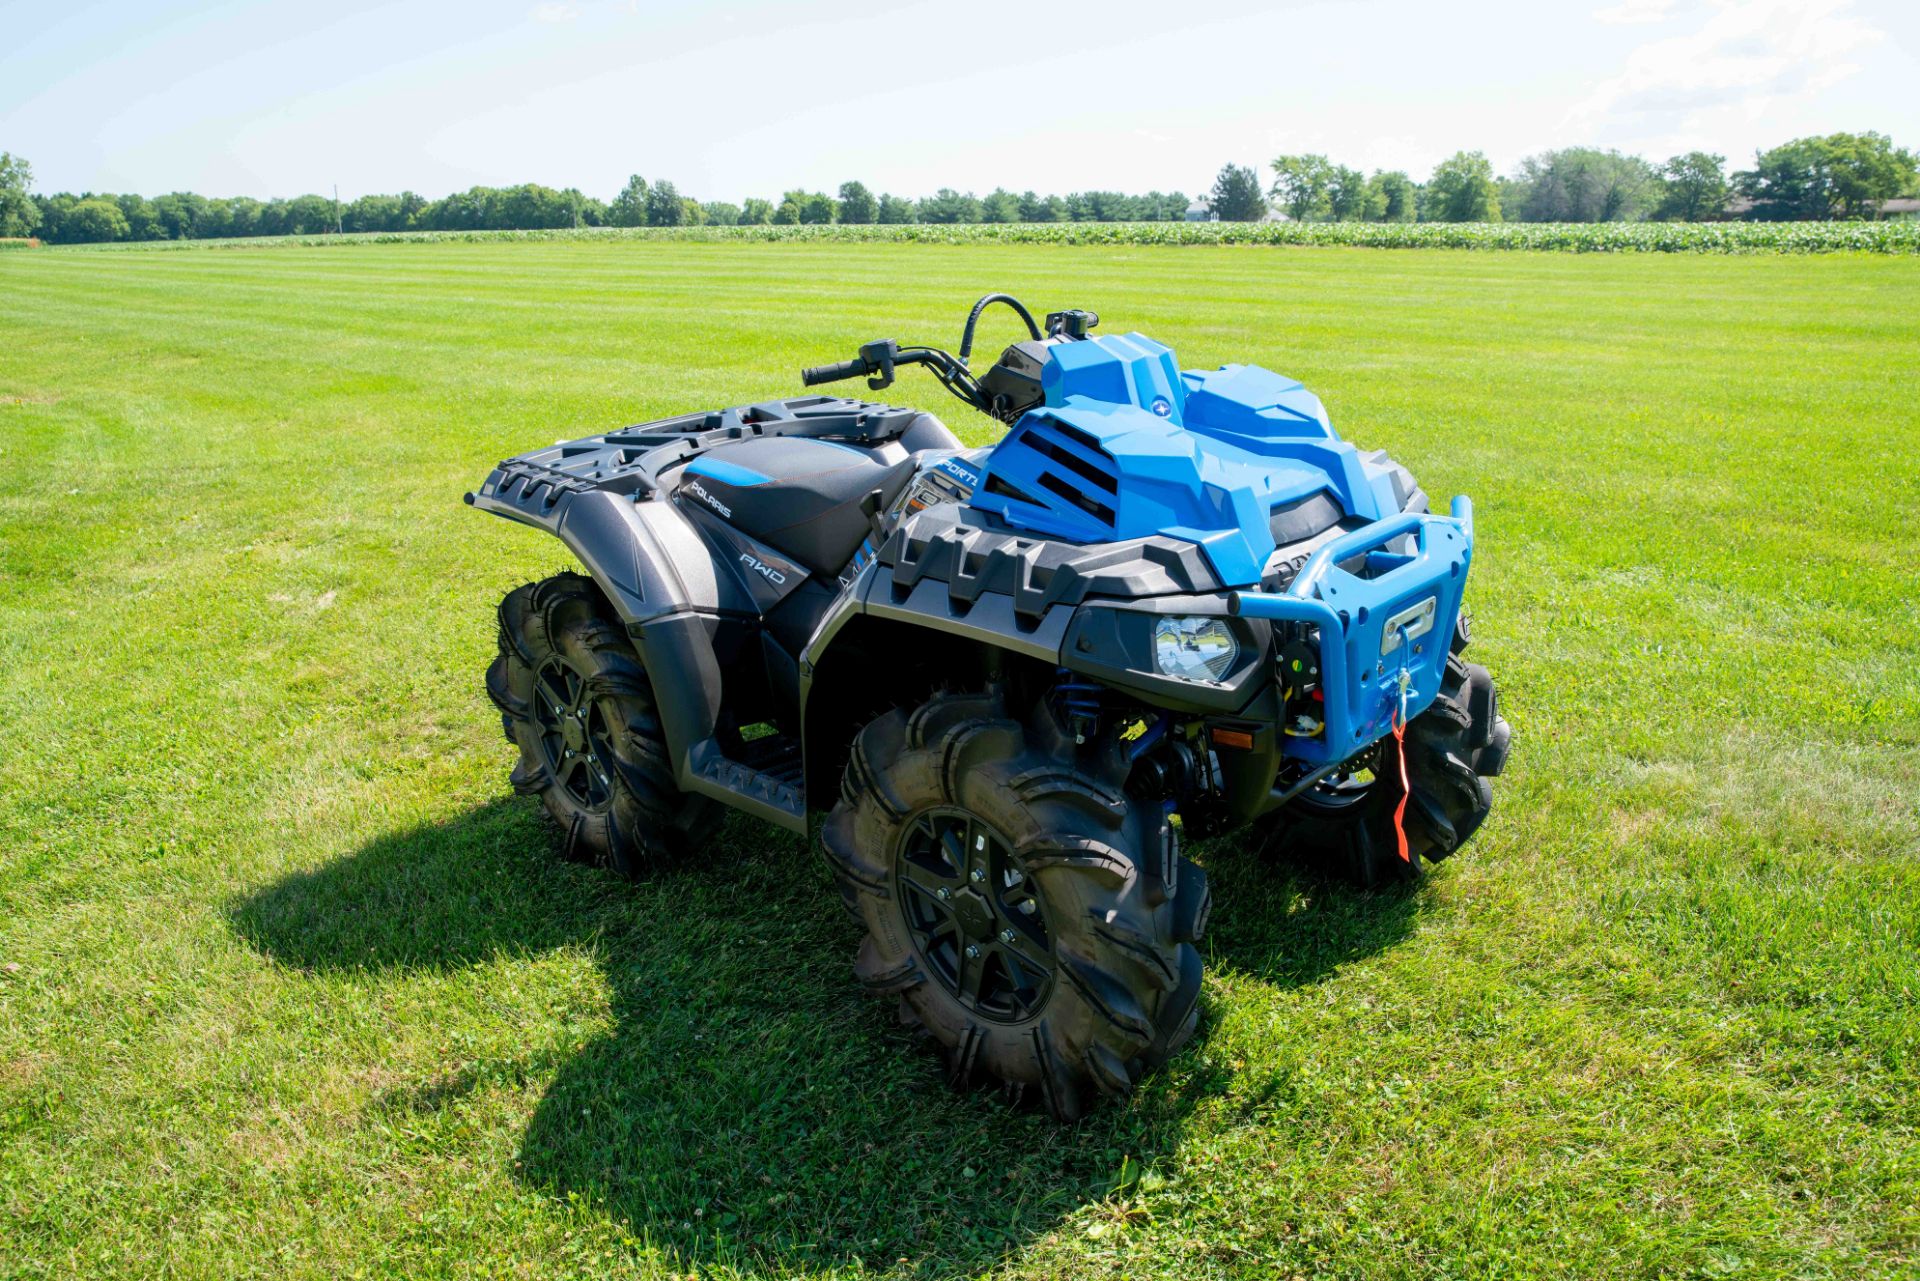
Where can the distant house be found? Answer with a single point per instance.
(1903, 207)
(1199, 212)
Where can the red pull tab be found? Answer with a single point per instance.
(1400, 810)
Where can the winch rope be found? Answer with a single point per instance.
(1400, 749)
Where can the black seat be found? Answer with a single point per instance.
(797, 494)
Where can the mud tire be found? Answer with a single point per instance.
(1452, 748)
(563, 650)
(1122, 907)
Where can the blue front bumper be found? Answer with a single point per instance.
(1375, 624)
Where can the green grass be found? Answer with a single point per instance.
(290, 984)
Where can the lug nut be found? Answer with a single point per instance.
(977, 875)
(1006, 936)
(973, 950)
(942, 893)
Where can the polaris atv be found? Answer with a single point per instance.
(1164, 602)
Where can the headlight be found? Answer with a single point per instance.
(1194, 649)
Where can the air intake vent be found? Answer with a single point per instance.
(1076, 452)
(1053, 478)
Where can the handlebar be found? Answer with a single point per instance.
(814, 375)
(877, 360)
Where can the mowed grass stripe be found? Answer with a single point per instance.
(301, 990)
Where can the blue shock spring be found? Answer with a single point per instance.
(1076, 699)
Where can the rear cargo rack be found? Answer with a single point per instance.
(632, 459)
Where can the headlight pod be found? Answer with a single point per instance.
(1194, 647)
(1179, 660)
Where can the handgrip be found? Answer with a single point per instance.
(817, 374)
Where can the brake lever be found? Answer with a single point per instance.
(880, 357)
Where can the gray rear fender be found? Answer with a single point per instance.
(646, 556)
(658, 573)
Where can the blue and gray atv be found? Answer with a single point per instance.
(1165, 604)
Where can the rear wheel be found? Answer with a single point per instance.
(1034, 919)
(574, 698)
(1345, 826)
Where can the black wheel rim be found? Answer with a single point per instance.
(573, 734)
(976, 917)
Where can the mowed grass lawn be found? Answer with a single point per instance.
(290, 984)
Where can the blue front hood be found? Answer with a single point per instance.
(1127, 446)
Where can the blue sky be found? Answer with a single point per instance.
(732, 100)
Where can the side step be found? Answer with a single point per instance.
(764, 779)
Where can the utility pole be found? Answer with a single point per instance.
(336, 208)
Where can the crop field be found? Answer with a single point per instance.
(1892, 237)
(292, 985)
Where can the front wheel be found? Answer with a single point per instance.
(1032, 917)
(1345, 826)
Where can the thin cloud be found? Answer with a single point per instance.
(1747, 55)
(553, 14)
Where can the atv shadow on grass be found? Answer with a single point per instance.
(1291, 926)
(750, 1105)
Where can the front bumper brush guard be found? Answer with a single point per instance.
(1397, 613)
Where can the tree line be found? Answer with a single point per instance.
(1838, 176)
(1832, 177)
(66, 218)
